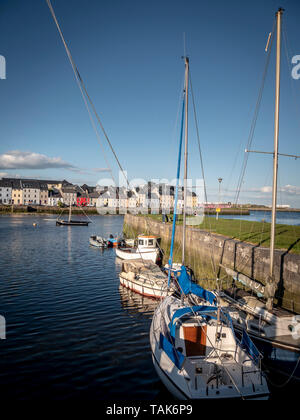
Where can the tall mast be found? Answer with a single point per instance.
(185, 156)
(275, 155)
(70, 210)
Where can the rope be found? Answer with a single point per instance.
(79, 83)
(202, 169)
(254, 120)
(104, 132)
(289, 378)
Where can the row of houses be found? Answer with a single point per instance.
(52, 193)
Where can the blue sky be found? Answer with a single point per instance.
(129, 55)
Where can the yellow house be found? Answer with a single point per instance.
(17, 192)
(57, 185)
(194, 200)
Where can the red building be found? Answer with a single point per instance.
(83, 201)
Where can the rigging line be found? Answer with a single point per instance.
(76, 73)
(254, 120)
(101, 125)
(202, 167)
(198, 138)
(245, 259)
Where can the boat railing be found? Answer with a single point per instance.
(146, 278)
(247, 372)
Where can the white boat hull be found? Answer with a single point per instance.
(183, 383)
(133, 254)
(142, 287)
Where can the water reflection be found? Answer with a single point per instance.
(135, 303)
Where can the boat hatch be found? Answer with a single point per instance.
(195, 340)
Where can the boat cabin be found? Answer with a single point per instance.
(148, 241)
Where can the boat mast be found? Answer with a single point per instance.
(185, 157)
(70, 210)
(275, 159)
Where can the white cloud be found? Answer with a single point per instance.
(101, 169)
(287, 189)
(17, 159)
(265, 189)
(290, 190)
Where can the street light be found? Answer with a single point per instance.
(218, 209)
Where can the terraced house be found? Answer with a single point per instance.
(17, 192)
(69, 194)
(44, 193)
(31, 192)
(5, 192)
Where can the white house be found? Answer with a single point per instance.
(31, 192)
(5, 192)
(54, 197)
(69, 194)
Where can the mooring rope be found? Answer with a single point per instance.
(79, 83)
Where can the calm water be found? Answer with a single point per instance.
(72, 331)
(285, 218)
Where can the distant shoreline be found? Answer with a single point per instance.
(287, 210)
(34, 210)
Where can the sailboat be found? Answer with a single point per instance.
(274, 330)
(194, 348)
(70, 222)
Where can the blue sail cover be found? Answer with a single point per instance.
(183, 311)
(176, 356)
(187, 286)
(248, 345)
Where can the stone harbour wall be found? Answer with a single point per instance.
(209, 249)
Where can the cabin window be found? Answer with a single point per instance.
(150, 242)
(141, 242)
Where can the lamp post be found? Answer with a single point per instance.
(218, 209)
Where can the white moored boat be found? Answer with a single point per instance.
(197, 356)
(147, 249)
(144, 277)
(194, 348)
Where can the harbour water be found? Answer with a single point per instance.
(282, 217)
(71, 330)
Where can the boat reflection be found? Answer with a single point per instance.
(136, 304)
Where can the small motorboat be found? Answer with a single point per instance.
(98, 241)
(145, 278)
(147, 249)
